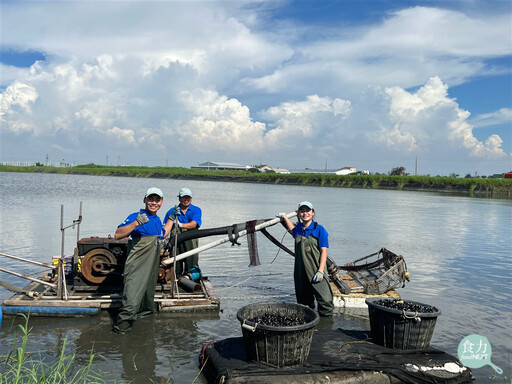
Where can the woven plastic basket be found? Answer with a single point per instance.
(278, 346)
(398, 329)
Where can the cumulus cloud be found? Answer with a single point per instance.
(429, 120)
(218, 123)
(205, 81)
(122, 136)
(310, 120)
(16, 99)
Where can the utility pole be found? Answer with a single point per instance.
(107, 160)
(325, 164)
(416, 169)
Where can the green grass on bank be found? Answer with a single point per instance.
(470, 185)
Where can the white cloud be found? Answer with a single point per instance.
(406, 48)
(429, 121)
(218, 124)
(297, 122)
(17, 98)
(199, 79)
(121, 136)
(501, 116)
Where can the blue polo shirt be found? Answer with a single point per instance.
(193, 214)
(151, 228)
(318, 233)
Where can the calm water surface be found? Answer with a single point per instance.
(458, 250)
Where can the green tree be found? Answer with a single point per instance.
(398, 171)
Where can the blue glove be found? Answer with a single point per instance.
(176, 210)
(142, 218)
(319, 276)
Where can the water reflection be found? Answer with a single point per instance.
(457, 250)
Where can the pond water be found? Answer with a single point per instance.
(458, 250)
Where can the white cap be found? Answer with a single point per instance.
(154, 191)
(185, 192)
(306, 204)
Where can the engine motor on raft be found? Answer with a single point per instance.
(100, 260)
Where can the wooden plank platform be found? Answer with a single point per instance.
(46, 298)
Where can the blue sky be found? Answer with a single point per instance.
(292, 84)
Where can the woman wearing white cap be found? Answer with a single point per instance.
(189, 219)
(141, 267)
(310, 271)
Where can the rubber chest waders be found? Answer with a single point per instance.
(307, 261)
(140, 276)
(183, 266)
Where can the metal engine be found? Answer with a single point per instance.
(100, 261)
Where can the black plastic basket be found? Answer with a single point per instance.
(278, 346)
(399, 329)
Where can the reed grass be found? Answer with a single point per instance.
(22, 367)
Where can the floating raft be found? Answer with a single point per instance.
(336, 356)
(89, 301)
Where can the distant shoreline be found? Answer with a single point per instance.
(469, 186)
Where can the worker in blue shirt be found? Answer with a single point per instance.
(189, 219)
(141, 268)
(310, 270)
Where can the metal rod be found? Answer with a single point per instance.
(175, 290)
(222, 241)
(28, 277)
(61, 260)
(79, 221)
(46, 265)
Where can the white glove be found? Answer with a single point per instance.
(281, 215)
(319, 276)
(180, 224)
(142, 218)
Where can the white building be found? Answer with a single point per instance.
(212, 166)
(346, 171)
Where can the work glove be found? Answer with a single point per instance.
(319, 276)
(281, 215)
(164, 243)
(177, 210)
(180, 224)
(142, 218)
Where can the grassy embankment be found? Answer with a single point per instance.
(443, 184)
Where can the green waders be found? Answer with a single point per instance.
(307, 261)
(183, 266)
(140, 276)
